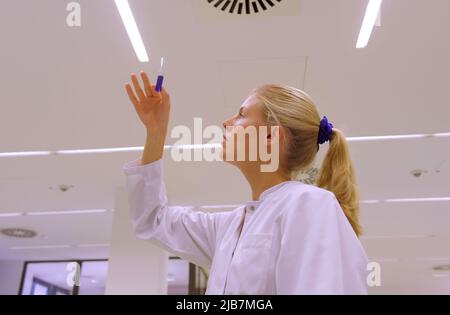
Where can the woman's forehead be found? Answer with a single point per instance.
(250, 102)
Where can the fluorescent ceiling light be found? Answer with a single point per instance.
(56, 246)
(66, 212)
(415, 259)
(29, 153)
(370, 18)
(63, 212)
(381, 138)
(72, 152)
(208, 145)
(431, 259)
(384, 260)
(441, 275)
(95, 151)
(93, 245)
(39, 247)
(370, 201)
(396, 200)
(418, 199)
(11, 214)
(396, 236)
(441, 135)
(133, 32)
(399, 137)
(219, 207)
(366, 201)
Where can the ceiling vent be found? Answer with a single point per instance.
(218, 11)
(243, 6)
(18, 233)
(442, 268)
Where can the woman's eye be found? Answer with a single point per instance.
(240, 114)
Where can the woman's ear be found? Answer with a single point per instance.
(275, 133)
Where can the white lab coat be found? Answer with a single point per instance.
(295, 240)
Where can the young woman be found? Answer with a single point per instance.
(291, 237)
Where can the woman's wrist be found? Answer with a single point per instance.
(154, 148)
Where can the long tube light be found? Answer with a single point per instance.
(133, 32)
(370, 18)
(204, 146)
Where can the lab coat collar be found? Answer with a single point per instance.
(253, 204)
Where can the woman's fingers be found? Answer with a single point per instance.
(131, 95)
(147, 85)
(139, 98)
(165, 95)
(137, 88)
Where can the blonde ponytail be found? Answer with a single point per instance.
(295, 111)
(337, 175)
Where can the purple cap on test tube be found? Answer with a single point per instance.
(159, 81)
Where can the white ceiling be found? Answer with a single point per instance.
(62, 88)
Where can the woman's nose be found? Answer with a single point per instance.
(228, 122)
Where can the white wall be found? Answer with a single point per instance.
(10, 275)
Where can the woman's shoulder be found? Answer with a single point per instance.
(307, 199)
(302, 191)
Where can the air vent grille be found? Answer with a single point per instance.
(243, 6)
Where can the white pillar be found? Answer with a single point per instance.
(135, 266)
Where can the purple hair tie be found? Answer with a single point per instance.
(325, 131)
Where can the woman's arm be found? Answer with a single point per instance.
(186, 233)
(189, 234)
(153, 109)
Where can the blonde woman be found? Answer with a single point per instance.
(290, 237)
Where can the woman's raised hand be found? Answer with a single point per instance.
(152, 107)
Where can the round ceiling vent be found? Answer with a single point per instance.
(442, 268)
(18, 232)
(243, 6)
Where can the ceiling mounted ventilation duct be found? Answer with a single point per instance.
(243, 6)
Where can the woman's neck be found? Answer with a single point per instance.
(261, 181)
